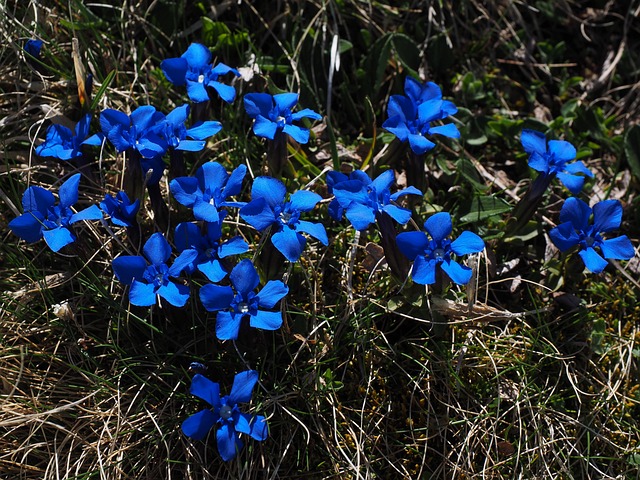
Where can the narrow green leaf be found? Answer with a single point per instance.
(484, 207)
(103, 88)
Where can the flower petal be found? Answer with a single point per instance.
(68, 192)
(265, 128)
(28, 226)
(58, 238)
(258, 214)
(186, 258)
(213, 270)
(142, 294)
(562, 150)
(205, 389)
(289, 242)
(259, 429)
(424, 271)
(578, 167)
(299, 134)
(305, 113)
(234, 182)
(304, 200)
(244, 277)
(185, 190)
(198, 425)
(174, 293)
(266, 320)
(592, 260)
(204, 130)
(228, 442)
(412, 244)
(233, 246)
(573, 183)
(458, 273)
(272, 293)
(316, 230)
(258, 104)
(439, 226)
(399, 214)
(197, 56)
(360, 216)
(157, 249)
(619, 248)
(197, 92)
(216, 297)
(564, 236)
(37, 199)
(175, 69)
(243, 384)
(226, 92)
(227, 325)
(607, 215)
(285, 101)
(467, 242)
(272, 190)
(576, 212)
(90, 213)
(448, 130)
(128, 267)
(533, 142)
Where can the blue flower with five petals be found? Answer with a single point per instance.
(575, 230)
(43, 218)
(273, 115)
(226, 412)
(233, 307)
(120, 209)
(551, 159)
(269, 208)
(61, 142)
(428, 254)
(194, 68)
(153, 278)
(174, 131)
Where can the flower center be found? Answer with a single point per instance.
(200, 78)
(438, 253)
(243, 307)
(225, 412)
(589, 241)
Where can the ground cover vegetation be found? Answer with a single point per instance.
(305, 239)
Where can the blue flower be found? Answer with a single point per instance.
(33, 47)
(410, 117)
(576, 230)
(149, 279)
(428, 254)
(61, 143)
(120, 209)
(552, 159)
(177, 135)
(208, 191)
(226, 412)
(42, 218)
(209, 247)
(269, 208)
(194, 68)
(233, 307)
(334, 178)
(135, 131)
(272, 115)
(362, 199)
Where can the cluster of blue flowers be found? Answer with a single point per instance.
(158, 273)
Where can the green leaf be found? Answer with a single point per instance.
(469, 172)
(632, 149)
(212, 31)
(103, 88)
(484, 207)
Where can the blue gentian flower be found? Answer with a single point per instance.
(410, 117)
(226, 412)
(120, 209)
(233, 307)
(194, 68)
(135, 131)
(273, 116)
(362, 199)
(152, 278)
(172, 128)
(61, 143)
(208, 191)
(209, 247)
(33, 47)
(269, 208)
(551, 159)
(334, 178)
(428, 254)
(576, 230)
(42, 218)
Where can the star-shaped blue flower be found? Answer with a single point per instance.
(172, 128)
(61, 142)
(362, 199)
(273, 115)
(428, 254)
(153, 278)
(269, 208)
(194, 68)
(120, 209)
(226, 412)
(410, 116)
(233, 307)
(209, 247)
(576, 230)
(43, 218)
(552, 159)
(208, 191)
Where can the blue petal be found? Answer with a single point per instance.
(539, 163)
(174, 293)
(533, 141)
(204, 130)
(458, 273)
(68, 192)
(28, 226)
(285, 101)
(213, 270)
(234, 183)
(351, 191)
(619, 248)
(205, 211)
(304, 200)
(420, 144)
(228, 442)
(185, 190)
(197, 56)
(175, 69)
(205, 389)
(243, 384)
(259, 428)
(198, 425)
(402, 108)
(576, 212)
(430, 110)
(265, 128)
(467, 242)
(258, 104)
(178, 115)
(226, 92)
(573, 183)
(266, 320)
(400, 215)
(578, 167)
(439, 226)
(212, 176)
(258, 214)
(186, 258)
(90, 213)
(197, 91)
(144, 117)
(112, 119)
(234, 246)
(58, 238)
(142, 294)
(410, 190)
(384, 181)
(222, 69)
(190, 145)
(272, 293)
(299, 134)
(424, 271)
(607, 215)
(128, 267)
(564, 236)
(305, 113)
(316, 230)
(360, 216)
(244, 277)
(242, 422)
(398, 127)
(448, 130)
(290, 243)
(94, 140)
(37, 199)
(270, 189)
(227, 325)
(412, 244)
(592, 260)
(157, 249)
(216, 297)
(562, 150)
